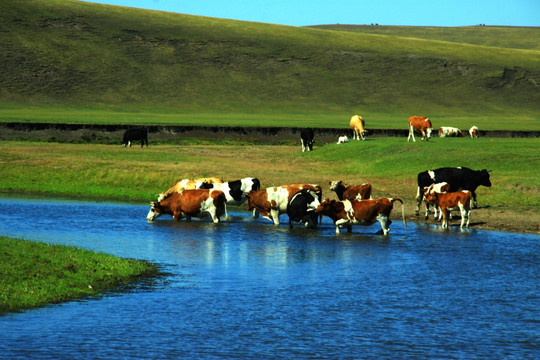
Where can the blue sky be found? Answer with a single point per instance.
(383, 12)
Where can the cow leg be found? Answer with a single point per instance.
(444, 218)
(411, 134)
(474, 204)
(274, 214)
(129, 143)
(419, 198)
(303, 145)
(385, 223)
(255, 214)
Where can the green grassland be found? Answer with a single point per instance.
(71, 61)
(37, 274)
(390, 164)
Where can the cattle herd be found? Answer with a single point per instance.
(444, 189)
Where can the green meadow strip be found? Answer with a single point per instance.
(37, 274)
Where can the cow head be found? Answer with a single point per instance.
(155, 211)
(484, 178)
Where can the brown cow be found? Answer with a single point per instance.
(421, 124)
(441, 187)
(357, 125)
(447, 201)
(188, 184)
(357, 192)
(273, 201)
(191, 203)
(360, 212)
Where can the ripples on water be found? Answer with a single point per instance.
(249, 289)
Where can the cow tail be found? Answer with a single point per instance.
(402, 210)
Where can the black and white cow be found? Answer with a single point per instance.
(459, 178)
(135, 134)
(301, 208)
(306, 138)
(235, 191)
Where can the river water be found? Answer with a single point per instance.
(252, 290)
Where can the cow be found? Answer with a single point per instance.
(301, 208)
(191, 203)
(360, 212)
(442, 187)
(273, 201)
(473, 132)
(357, 192)
(135, 134)
(306, 138)
(421, 124)
(343, 139)
(357, 125)
(188, 184)
(235, 191)
(459, 178)
(453, 200)
(447, 131)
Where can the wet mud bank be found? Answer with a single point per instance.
(264, 135)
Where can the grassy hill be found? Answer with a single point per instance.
(168, 67)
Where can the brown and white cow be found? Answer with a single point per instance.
(448, 131)
(360, 212)
(191, 203)
(357, 192)
(273, 201)
(357, 125)
(421, 124)
(473, 132)
(188, 184)
(454, 200)
(441, 187)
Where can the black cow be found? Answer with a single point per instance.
(235, 191)
(135, 134)
(460, 178)
(306, 138)
(301, 208)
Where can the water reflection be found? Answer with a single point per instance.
(249, 289)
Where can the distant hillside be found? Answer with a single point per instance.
(57, 52)
(499, 36)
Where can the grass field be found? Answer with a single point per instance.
(157, 67)
(390, 164)
(37, 274)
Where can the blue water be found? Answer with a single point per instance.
(251, 290)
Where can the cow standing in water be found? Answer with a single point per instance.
(357, 125)
(306, 138)
(421, 124)
(135, 134)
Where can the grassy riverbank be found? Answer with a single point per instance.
(36, 274)
(389, 164)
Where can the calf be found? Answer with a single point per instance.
(190, 203)
(135, 134)
(357, 192)
(447, 131)
(442, 187)
(188, 184)
(455, 200)
(273, 201)
(301, 208)
(343, 139)
(360, 212)
(306, 138)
